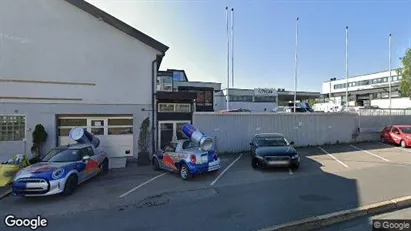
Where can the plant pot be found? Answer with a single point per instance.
(143, 158)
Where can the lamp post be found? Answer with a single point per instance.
(228, 60)
(346, 67)
(296, 64)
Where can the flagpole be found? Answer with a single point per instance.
(389, 68)
(346, 67)
(228, 60)
(232, 47)
(296, 65)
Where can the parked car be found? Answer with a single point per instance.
(397, 134)
(60, 171)
(272, 150)
(234, 110)
(186, 158)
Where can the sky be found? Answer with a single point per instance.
(265, 38)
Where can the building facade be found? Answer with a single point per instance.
(366, 90)
(67, 63)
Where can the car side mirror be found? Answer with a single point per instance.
(86, 158)
(292, 143)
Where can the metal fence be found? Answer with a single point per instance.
(377, 119)
(234, 132)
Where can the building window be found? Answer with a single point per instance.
(12, 128)
(271, 99)
(97, 125)
(241, 98)
(174, 107)
(200, 100)
(120, 126)
(208, 98)
(165, 107)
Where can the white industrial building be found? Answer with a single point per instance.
(366, 90)
(67, 63)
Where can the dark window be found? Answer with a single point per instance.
(88, 151)
(63, 155)
(208, 98)
(265, 99)
(200, 98)
(73, 122)
(395, 130)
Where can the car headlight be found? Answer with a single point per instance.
(294, 156)
(57, 173)
(259, 157)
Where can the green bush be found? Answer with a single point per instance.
(39, 136)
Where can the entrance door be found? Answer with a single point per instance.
(168, 131)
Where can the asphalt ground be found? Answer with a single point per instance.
(237, 197)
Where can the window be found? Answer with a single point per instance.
(208, 98)
(241, 98)
(174, 107)
(265, 99)
(97, 125)
(395, 130)
(171, 147)
(120, 126)
(200, 98)
(87, 152)
(12, 128)
(163, 107)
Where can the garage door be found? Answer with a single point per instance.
(115, 133)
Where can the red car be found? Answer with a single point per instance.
(397, 134)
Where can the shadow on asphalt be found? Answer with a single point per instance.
(368, 146)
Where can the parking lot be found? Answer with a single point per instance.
(134, 184)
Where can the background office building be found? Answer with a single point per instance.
(366, 90)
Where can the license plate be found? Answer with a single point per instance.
(278, 162)
(204, 159)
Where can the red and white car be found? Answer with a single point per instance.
(397, 134)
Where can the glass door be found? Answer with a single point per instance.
(168, 131)
(165, 134)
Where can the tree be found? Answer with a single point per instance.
(144, 142)
(405, 73)
(39, 136)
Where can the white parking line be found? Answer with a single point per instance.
(142, 184)
(359, 149)
(225, 170)
(404, 149)
(334, 157)
(290, 171)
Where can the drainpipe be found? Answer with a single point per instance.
(153, 100)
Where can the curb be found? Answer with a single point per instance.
(317, 222)
(5, 193)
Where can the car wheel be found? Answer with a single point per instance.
(254, 163)
(403, 144)
(295, 166)
(70, 185)
(104, 166)
(156, 166)
(185, 172)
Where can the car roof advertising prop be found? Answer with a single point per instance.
(81, 136)
(203, 141)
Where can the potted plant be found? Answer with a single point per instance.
(143, 143)
(39, 136)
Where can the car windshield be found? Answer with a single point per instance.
(271, 141)
(62, 155)
(406, 130)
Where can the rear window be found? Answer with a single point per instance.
(406, 130)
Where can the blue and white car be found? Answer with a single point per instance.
(60, 171)
(186, 158)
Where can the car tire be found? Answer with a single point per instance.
(104, 166)
(156, 165)
(254, 163)
(185, 173)
(403, 144)
(295, 166)
(70, 185)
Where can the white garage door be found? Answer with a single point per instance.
(115, 133)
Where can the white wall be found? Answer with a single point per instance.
(395, 103)
(56, 41)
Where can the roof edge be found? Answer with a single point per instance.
(118, 24)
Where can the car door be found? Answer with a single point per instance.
(386, 134)
(168, 157)
(93, 164)
(395, 135)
